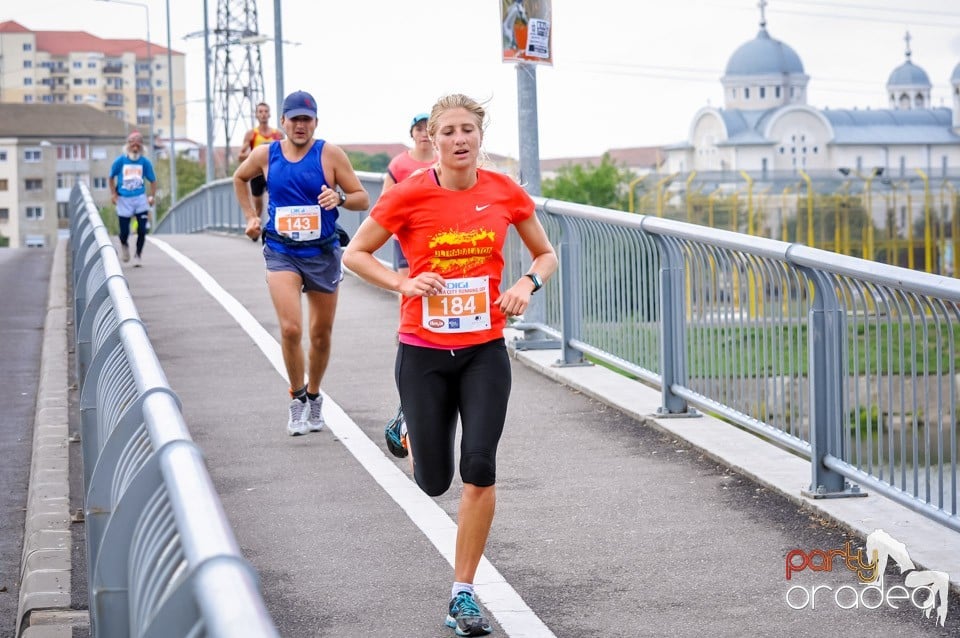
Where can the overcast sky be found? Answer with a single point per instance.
(624, 74)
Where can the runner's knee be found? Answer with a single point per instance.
(433, 484)
(478, 468)
(291, 330)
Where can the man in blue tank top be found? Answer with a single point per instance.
(308, 180)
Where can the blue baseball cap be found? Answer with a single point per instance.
(299, 103)
(419, 117)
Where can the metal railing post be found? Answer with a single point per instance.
(571, 319)
(825, 343)
(673, 346)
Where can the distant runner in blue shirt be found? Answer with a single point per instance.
(128, 175)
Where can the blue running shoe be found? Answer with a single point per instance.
(465, 618)
(396, 435)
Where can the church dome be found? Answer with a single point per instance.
(762, 56)
(909, 74)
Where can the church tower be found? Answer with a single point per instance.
(908, 86)
(764, 73)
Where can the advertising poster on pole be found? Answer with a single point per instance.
(525, 27)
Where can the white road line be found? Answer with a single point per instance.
(514, 615)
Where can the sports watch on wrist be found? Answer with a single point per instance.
(343, 199)
(537, 282)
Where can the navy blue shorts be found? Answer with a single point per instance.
(321, 273)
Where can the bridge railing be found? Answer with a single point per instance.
(846, 362)
(162, 558)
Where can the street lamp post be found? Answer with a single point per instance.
(146, 10)
(173, 114)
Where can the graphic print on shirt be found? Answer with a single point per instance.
(456, 250)
(132, 177)
(464, 304)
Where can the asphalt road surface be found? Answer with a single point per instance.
(24, 281)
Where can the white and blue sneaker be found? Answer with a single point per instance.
(295, 424)
(464, 616)
(314, 414)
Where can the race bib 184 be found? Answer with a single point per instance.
(463, 306)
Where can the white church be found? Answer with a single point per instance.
(767, 129)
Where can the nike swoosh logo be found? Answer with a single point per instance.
(480, 208)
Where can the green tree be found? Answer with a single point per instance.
(190, 176)
(371, 163)
(604, 185)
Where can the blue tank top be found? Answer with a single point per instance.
(297, 184)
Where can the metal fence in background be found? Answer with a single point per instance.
(847, 362)
(901, 218)
(162, 559)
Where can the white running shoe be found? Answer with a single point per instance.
(296, 425)
(315, 420)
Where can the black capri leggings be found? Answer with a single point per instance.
(435, 386)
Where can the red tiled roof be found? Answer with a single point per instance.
(13, 27)
(65, 42)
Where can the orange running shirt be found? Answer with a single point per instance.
(258, 139)
(456, 234)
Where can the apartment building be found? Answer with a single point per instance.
(127, 79)
(44, 150)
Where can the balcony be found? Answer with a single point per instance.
(112, 68)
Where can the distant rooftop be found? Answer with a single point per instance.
(60, 43)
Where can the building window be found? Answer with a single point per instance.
(34, 212)
(91, 65)
(733, 92)
(903, 166)
(4, 184)
(78, 98)
(27, 46)
(746, 93)
(28, 64)
(943, 166)
(27, 99)
(763, 92)
(859, 163)
(91, 81)
(776, 91)
(32, 155)
(4, 214)
(28, 81)
(100, 183)
(77, 64)
(33, 184)
(71, 151)
(3, 156)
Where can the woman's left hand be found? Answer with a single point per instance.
(515, 300)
